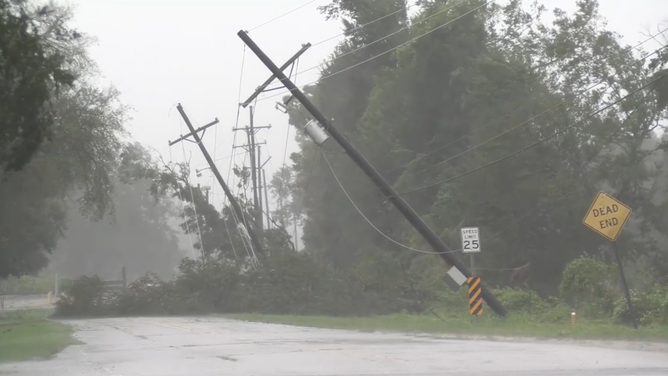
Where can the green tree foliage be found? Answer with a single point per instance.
(332, 229)
(283, 191)
(33, 68)
(284, 283)
(60, 138)
(476, 84)
(217, 234)
(481, 115)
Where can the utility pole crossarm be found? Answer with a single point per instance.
(245, 146)
(265, 162)
(264, 85)
(256, 127)
(200, 129)
(402, 206)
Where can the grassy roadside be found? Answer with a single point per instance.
(26, 335)
(516, 325)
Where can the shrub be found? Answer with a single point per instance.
(284, 283)
(651, 306)
(86, 297)
(589, 285)
(521, 300)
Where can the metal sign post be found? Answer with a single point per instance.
(475, 300)
(607, 216)
(471, 245)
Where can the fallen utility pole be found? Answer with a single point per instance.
(257, 244)
(406, 210)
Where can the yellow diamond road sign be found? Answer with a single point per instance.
(607, 216)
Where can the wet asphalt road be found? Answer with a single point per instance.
(17, 302)
(216, 346)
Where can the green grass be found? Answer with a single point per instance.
(516, 325)
(26, 335)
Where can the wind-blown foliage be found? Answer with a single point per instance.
(451, 119)
(39, 52)
(61, 134)
(217, 234)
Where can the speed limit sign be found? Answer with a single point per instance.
(470, 240)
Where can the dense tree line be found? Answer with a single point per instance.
(478, 114)
(60, 158)
(445, 118)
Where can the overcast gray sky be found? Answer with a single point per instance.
(159, 53)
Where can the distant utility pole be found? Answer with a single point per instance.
(260, 207)
(251, 147)
(266, 198)
(402, 206)
(262, 186)
(250, 132)
(257, 244)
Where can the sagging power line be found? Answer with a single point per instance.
(449, 22)
(195, 134)
(534, 144)
(319, 135)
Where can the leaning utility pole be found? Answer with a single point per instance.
(257, 244)
(406, 210)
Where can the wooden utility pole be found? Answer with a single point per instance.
(260, 207)
(257, 243)
(250, 132)
(437, 244)
(266, 198)
(252, 149)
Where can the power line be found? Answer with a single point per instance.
(533, 117)
(421, 157)
(308, 182)
(192, 196)
(282, 15)
(244, 240)
(507, 130)
(555, 134)
(382, 53)
(287, 140)
(591, 159)
(285, 153)
(363, 25)
(280, 227)
(381, 39)
(324, 155)
(183, 209)
(213, 178)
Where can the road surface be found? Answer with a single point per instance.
(17, 302)
(216, 346)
